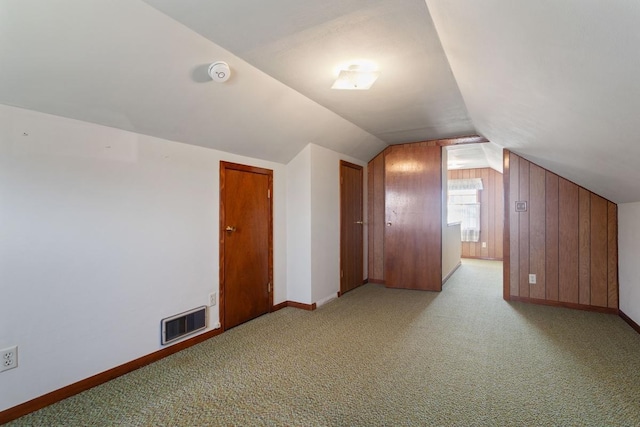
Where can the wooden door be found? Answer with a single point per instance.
(246, 236)
(413, 216)
(351, 226)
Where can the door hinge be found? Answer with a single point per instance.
(269, 287)
(268, 193)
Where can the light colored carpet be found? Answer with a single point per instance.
(383, 357)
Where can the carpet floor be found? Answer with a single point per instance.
(387, 357)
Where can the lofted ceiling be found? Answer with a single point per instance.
(553, 81)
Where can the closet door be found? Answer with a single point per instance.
(413, 217)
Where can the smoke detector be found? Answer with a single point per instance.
(219, 71)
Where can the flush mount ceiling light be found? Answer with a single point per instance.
(356, 77)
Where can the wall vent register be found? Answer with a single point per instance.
(183, 324)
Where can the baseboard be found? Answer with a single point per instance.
(302, 306)
(378, 281)
(101, 378)
(630, 321)
(571, 305)
(483, 257)
(451, 272)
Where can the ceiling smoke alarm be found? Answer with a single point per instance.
(219, 71)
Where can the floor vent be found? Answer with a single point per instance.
(180, 325)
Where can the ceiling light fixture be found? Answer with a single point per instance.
(356, 77)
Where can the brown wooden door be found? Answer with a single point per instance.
(246, 264)
(351, 226)
(413, 216)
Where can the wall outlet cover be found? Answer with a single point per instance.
(532, 279)
(8, 358)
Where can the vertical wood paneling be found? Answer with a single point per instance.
(485, 230)
(584, 218)
(537, 230)
(568, 238)
(612, 255)
(514, 225)
(493, 214)
(524, 229)
(371, 259)
(551, 247)
(568, 257)
(413, 207)
(375, 170)
(499, 217)
(599, 244)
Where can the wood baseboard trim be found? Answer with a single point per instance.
(279, 306)
(309, 307)
(101, 378)
(606, 310)
(365, 281)
(451, 272)
(629, 320)
(378, 281)
(302, 306)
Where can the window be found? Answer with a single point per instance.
(463, 206)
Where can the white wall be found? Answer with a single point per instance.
(325, 221)
(103, 233)
(628, 256)
(451, 244)
(313, 216)
(299, 227)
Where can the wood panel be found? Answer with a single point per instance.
(375, 189)
(246, 243)
(351, 226)
(568, 246)
(612, 255)
(568, 238)
(506, 265)
(537, 230)
(500, 217)
(552, 233)
(514, 225)
(584, 252)
(523, 239)
(599, 246)
(413, 206)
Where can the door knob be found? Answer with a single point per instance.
(359, 222)
(388, 224)
(230, 229)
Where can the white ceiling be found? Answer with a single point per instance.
(552, 81)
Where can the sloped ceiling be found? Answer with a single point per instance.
(302, 42)
(552, 81)
(122, 63)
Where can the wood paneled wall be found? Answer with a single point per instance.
(567, 237)
(376, 208)
(491, 213)
(375, 226)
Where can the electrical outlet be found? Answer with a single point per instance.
(484, 244)
(213, 297)
(532, 279)
(9, 358)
